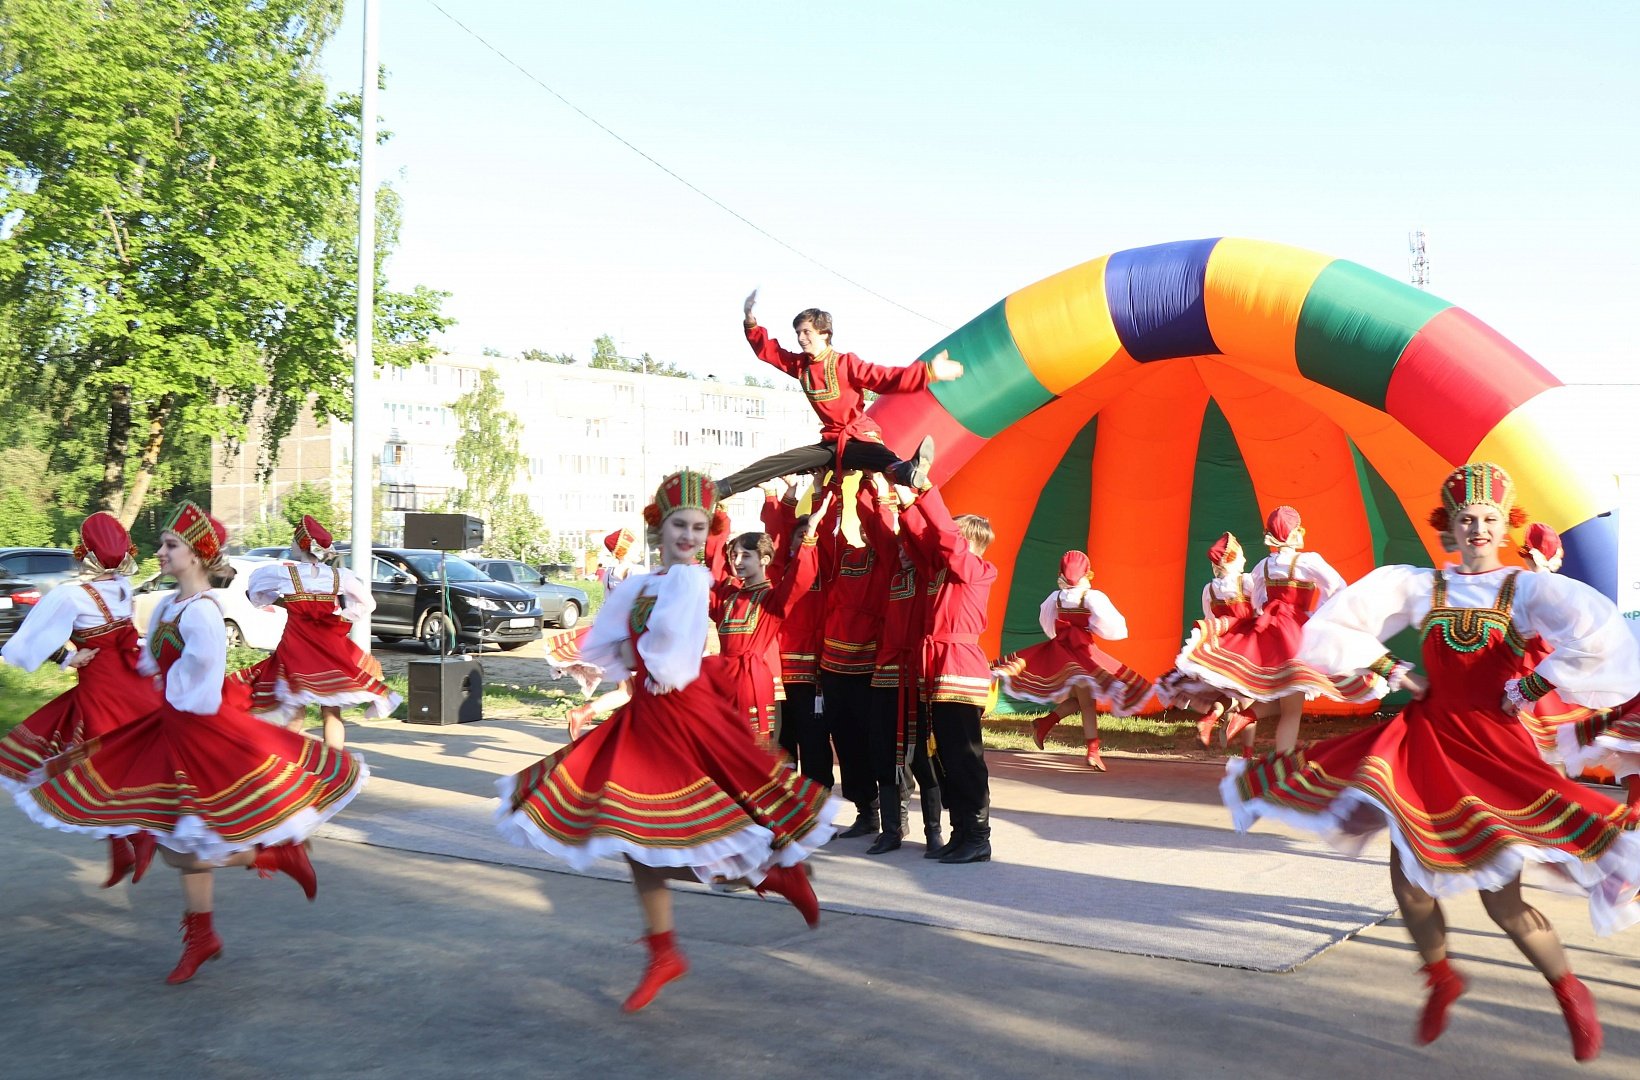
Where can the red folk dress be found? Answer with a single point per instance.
(199, 771)
(1225, 604)
(673, 778)
(1048, 671)
(315, 663)
(1457, 780)
(1257, 659)
(749, 639)
(109, 692)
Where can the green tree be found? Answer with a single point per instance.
(491, 350)
(486, 452)
(179, 190)
(515, 531)
(606, 358)
(542, 356)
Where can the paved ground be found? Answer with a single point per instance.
(420, 965)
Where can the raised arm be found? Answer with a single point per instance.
(933, 523)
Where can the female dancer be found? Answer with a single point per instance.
(673, 782)
(563, 649)
(95, 618)
(1227, 603)
(1255, 662)
(1069, 668)
(218, 786)
(1456, 780)
(316, 663)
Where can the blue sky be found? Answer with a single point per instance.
(945, 154)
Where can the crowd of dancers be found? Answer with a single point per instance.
(839, 650)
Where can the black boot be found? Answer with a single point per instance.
(930, 798)
(976, 840)
(894, 803)
(865, 824)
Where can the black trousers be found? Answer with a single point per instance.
(857, 454)
(960, 751)
(883, 739)
(803, 736)
(846, 715)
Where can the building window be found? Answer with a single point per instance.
(625, 504)
(680, 438)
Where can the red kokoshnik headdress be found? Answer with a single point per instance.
(1283, 528)
(685, 489)
(619, 542)
(199, 530)
(314, 538)
(1074, 567)
(1480, 483)
(105, 546)
(1225, 550)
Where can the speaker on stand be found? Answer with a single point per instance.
(446, 689)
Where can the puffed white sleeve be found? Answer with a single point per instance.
(1595, 661)
(1207, 600)
(356, 600)
(1259, 595)
(675, 637)
(1328, 582)
(601, 648)
(1347, 633)
(1048, 615)
(1106, 622)
(46, 628)
(194, 683)
(267, 584)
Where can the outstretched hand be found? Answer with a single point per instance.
(1415, 684)
(819, 512)
(751, 302)
(82, 657)
(942, 368)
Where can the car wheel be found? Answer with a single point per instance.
(389, 639)
(509, 646)
(432, 628)
(236, 639)
(571, 615)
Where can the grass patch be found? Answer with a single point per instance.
(23, 692)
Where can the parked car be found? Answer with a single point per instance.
(279, 551)
(47, 568)
(561, 605)
(247, 624)
(17, 598)
(405, 583)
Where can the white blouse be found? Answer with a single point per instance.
(194, 683)
(1104, 620)
(59, 613)
(1218, 590)
(1299, 566)
(268, 583)
(674, 636)
(1595, 662)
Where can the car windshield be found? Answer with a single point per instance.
(455, 569)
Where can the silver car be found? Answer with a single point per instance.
(562, 605)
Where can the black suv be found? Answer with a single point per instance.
(405, 583)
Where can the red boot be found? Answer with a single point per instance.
(1237, 723)
(1094, 760)
(792, 882)
(1041, 726)
(291, 859)
(142, 846)
(1445, 987)
(1205, 726)
(665, 964)
(120, 860)
(1577, 1005)
(199, 944)
(1632, 784)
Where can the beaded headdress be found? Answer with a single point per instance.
(619, 542)
(683, 490)
(199, 530)
(1480, 483)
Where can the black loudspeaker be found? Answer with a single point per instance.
(443, 532)
(446, 690)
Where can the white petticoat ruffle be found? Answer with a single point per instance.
(192, 837)
(748, 853)
(1618, 755)
(292, 704)
(1611, 882)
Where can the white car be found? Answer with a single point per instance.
(260, 628)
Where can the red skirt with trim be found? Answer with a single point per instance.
(1256, 659)
(674, 780)
(207, 785)
(316, 663)
(1048, 671)
(108, 693)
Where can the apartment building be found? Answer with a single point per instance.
(594, 443)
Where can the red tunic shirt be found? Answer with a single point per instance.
(954, 665)
(858, 592)
(833, 382)
(900, 642)
(749, 637)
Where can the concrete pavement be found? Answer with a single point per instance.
(421, 965)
